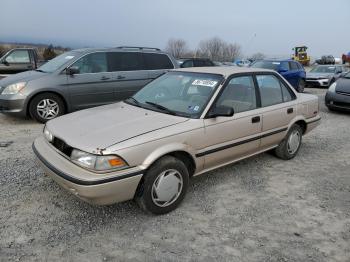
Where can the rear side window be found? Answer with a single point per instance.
(18, 56)
(293, 66)
(125, 61)
(285, 66)
(157, 61)
(92, 63)
(287, 96)
(270, 90)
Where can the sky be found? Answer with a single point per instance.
(272, 27)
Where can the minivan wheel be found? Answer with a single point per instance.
(164, 186)
(46, 106)
(290, 145)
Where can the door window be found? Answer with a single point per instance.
(239, 94)
(270, 90)
(18, 56)
(293, 66)
(188, 63)
(92, 63)
(125, 61)
(157, 61)
(285, 66)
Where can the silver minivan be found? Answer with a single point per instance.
(82, 79)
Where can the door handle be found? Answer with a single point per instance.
(290, 110)
(104, 78)
(256, 119)
(120, 77)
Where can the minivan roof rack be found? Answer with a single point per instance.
(139, 47)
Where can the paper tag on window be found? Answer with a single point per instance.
(69, 57)
(200, 82)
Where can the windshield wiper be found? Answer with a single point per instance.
(161, 107)
(39, 70)
(133, 100)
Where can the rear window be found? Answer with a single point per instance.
(125, 61)
(294, 66)
(157, 61)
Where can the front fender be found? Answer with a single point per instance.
(167, 149)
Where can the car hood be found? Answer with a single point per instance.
(98, 128)
(343, 85)
(319, 75)
(21, 77)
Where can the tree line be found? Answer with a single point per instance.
(214, 48)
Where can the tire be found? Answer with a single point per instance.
(301, 85)
(46, 106)
(289, 147)
(171, 194)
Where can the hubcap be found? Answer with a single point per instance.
(293, 142)
(167, 188)
(47, 109)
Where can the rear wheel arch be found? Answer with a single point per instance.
(302, 124)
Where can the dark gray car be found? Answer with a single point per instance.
(324, 75)
(81, 79)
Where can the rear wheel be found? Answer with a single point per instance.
(46, 106)
(290, 145)
(164, 186)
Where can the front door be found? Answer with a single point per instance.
(93, 85)
(16, 61)
(230, 138)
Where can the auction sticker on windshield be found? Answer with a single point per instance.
(201, 82)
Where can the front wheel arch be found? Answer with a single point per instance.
(45, 92)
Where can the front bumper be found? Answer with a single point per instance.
(99, 189)
(317, 82)
(13, 104)
(337, 101)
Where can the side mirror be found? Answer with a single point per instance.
(283, 70)
(225, 111)
(72, 70)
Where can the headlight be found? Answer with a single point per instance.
(14, 88)
(97, 162)
(48, 135)
(332, 87)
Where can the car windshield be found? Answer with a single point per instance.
(179, 93)
(347, 75)
(57, 62)
(323, 69)
(267, 65)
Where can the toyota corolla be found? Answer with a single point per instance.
(182, 124)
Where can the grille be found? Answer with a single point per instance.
(343, 93)
(302, 56)
(62, 146)
(341, 104)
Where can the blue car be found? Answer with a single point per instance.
(291, 70)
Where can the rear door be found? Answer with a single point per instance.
(157, 64)
(17, 61)
(93, 85)
(278, 108)
(230, 138)
(129, 73)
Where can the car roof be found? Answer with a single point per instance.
(222, 70)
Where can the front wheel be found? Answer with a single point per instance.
(290, 145)
(46, 106)
(164, 186)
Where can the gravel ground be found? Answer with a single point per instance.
(260, 209)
